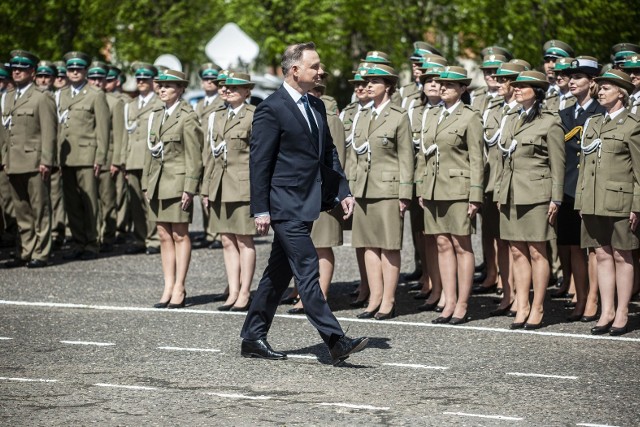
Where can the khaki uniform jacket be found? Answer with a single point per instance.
(137, 121)
(179, 169)
(410, 92)
(228, 173)
(493, 116)
(203, 116)
(552, 103)
(535, 169)
(389, 174)
(31, 139)
(608, 181)
(83, 137)
(117, 134)
(479, 99)
(458, 174)
(346, 116)
(330, 104)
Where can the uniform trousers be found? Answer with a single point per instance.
(80, 188)
(6, 205)
(123, 219)
(107, 197)
(58, 220)
(32, 203)
(145, 232)
(292, 255)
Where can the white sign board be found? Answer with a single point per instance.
(169, 61)
(231, 46)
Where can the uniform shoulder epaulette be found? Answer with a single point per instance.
(551, 113)
(408, 84)
(469, 107)
(185, 106)
(479, 91)
(397, 108)
(92, 88)
(250, 107)
(635, 116)
(350, 106)
(41, 90)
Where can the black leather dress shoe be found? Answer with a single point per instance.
(422, 295)
(260, 349)
(441, 320)
(532, 326)
(512, 313)
(14, 263)
(152, 250)
(415, 287)
(36, 263)
(516, 325)
(161, 304)
(220, 297)
(289, 301)
(481, 289)
(296, 310)
(226, 307)
(132, 250)
(600, 330)
(367, 315)
(386, 316)
(615, 332)
(215, 245)
(438, 309)
(574, 317)
(345, 347)
(358, 304)
(586, 319)
(73, 255)
(243, 308)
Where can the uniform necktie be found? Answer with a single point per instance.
(579, 111)
(444, 116)
(232, 114)
(166, 116)
(374, 116)
(521, 119)
(505, 109)
(18, 94)
(312, 121)
(141, 104)
(607, 119)
(206, 103)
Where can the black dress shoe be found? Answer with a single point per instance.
(438, 309)
(499, 311)
(600, 330)
(289, 301)
(215, 245)
(516, 325)
(499, 291)
(532, 326)
(615, 332)
(422, 295)
(180, 304)
(220, 297)
(586, 319)
(358, 304)
(441, 320)
(296, 310)
(36, 263)
(480, 267)
(479, 277)
(458, 320)
(512, 313)
(345, 347)
(427, 306)
(560, 294)
(88, 256)
(132, 250)
(569, 304)
(226, 307)
(354, 293)
(367, 315)
(72, 255)
(260, 349)
(480, 289)
(152, 250)
(415, 287)
(161, 304)
(14, 263)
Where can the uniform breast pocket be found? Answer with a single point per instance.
(618, 196)
(85, 112)
(25, 113)
(614, 144)
(455, 137)
(391, 180)
(387, 142)
(172, 144)
(531, 147)
(239, 140)
(460, 180)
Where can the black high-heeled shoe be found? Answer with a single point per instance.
(517, 325)
(422, 295)
(358, 304)
(161, 304)
(427, 306)
(386, 316)
(441, 320)
(615, 332)
(500, 311)
(225, 307)
(600, 330)
(459, 320)
(180, 304)
(438, 309)
(367, 314)
(244, 308)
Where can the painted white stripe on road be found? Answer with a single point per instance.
(29, 380)
(239, 396)
(5, 338)
(301, 356)
(352, 406)
(595, 425)
(99, 344)
(184, 311)
(127, 387)
(209, 350)
(411, 365)
(492, 417)
(560, 377)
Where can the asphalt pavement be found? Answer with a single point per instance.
(80, 344)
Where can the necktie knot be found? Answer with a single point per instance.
(607, 119)
(232, 114)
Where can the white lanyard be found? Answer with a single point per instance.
(596, 144)
(221, 148)
(6, 122)
(158, 149)
(131, 127)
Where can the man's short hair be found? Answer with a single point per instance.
(293, 54)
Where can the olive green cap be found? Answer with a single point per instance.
(5, 72)
(432, 66)
(380, 70)
(23, 59)
(492, 61)
(172, 76)
(454, 74)
(556, 49)
(531, 78)
(235, 78)
(377, 57)
(98, 69)
(422, 49)
(222, 76)
(357, 77)
(509, 69)
(527, 66)
(114, 72)
(143, 70)
(46, 68)
(621, 51)
(77, 59)
(497, 50)
(631, 62)
(618, 78)
(562, 64)
(209, 70)
(61, 67)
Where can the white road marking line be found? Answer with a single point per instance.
(128, 387)
(595, 425)
(301, 356)
(29, 380)
(493, 417)
(209, 350)
(239, 396)
(561, 377)
(5, 338)
(352, 406)
(99, 344)
(183, 311)
(411, 365)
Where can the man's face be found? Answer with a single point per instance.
(22, 76)
(307, 71)
(144, 85)
(209, 85)
(76, 75)
(110, 85)
(44, 81)
(549, 65)
(97, 82)
(61, 81)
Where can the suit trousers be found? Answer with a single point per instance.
(123, 219)
(80, 188)
(292, 255)
(145, 232)
(58, 221)
(32, 203)
(107, 197)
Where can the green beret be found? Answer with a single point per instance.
(77, 59)
(23, 59)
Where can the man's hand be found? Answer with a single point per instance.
(96, 170)
(45, 172)
(348, 205)
(114, 169)
(262, 224)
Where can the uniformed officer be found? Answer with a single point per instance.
(551, 51)
(383, 187)
(30, 119)
(107, 179)
(145, 235)
(61, 80)
(58, 216)
(378, 57)
(329, 101)
(631, 66)
(484, 96)
(621, 51)
(8, 224)
(46, 73)
(564, 98)
(413, 89)
(83, 142)
(606, 196)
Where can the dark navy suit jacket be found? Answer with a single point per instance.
(287, 165)
(572, 147)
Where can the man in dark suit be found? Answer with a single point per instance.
(292, 163)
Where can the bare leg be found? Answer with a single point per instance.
(624, 285)
(231, 255)
(489, 250)
(606, 284)
(465, 260)
(448, 272)
(363, 287)
(247, 268)
(373, 262)
(540, 276)
(580, 272)
(168, 257)
(390, 274)
(506, 275)
(182, 243)
(432, 268)
(521, 279)
(592, 299)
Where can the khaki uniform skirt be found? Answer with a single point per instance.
(525, 223)
(377, 224)
(490, 217)
(232, 218)
(598, 231)
(327, 229)
(448, 217)
(168, 210)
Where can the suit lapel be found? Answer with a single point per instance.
(288, 101)
(613, 124)
(451, 119)
(171, 120)
(22, 100)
